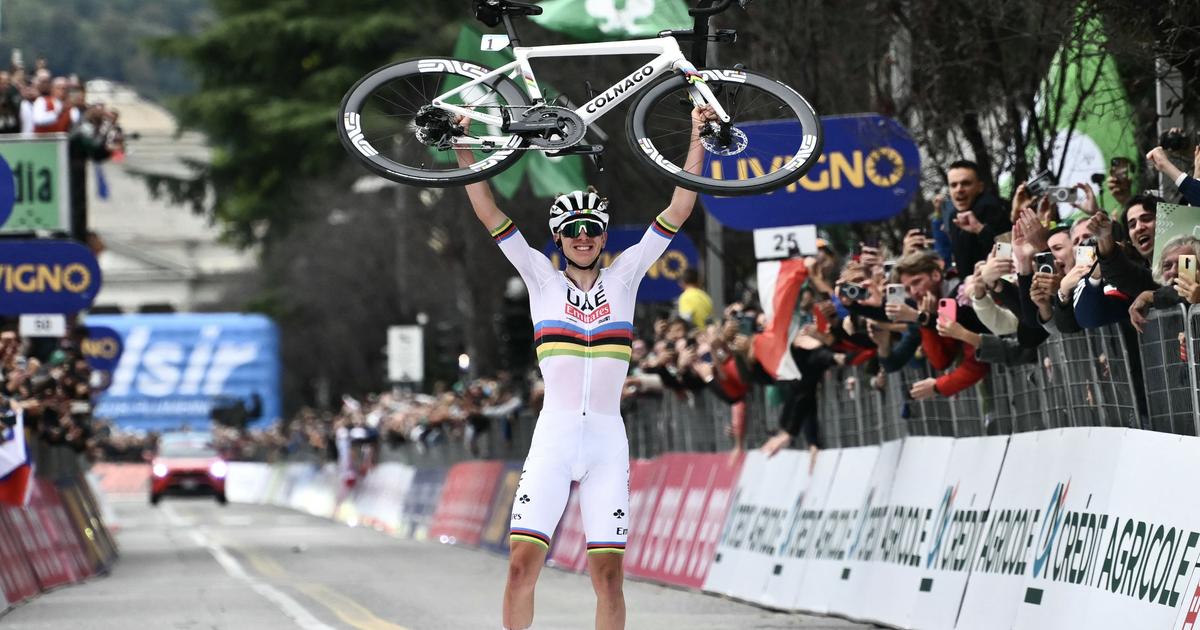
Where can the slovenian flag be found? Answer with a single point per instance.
(16, 470)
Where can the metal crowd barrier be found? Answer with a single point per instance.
(1081, 379)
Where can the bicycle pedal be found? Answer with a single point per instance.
(579, 149)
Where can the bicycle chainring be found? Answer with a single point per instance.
(569, 132)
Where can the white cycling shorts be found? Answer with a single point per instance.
(590, 449)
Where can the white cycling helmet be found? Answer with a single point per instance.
(579, 205)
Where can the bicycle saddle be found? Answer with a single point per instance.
(492, 12)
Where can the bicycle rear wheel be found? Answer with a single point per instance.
(378, 125)
(775, 137)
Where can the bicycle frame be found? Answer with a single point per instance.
(669, 59)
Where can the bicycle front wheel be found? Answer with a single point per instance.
(774, 138)
(387, 122)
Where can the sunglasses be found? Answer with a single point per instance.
(575, 228)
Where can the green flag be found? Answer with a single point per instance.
(1082, 68)
(547, 176)
(591, 20)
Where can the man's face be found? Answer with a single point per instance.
(918, 284)
(583, 249)
(1063, 250)
(676, 331)
(1170, 262)
(1080, 232)
(1141, 230)
(965, 188)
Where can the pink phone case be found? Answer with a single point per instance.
(948, 309)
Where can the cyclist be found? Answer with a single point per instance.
(583, 333)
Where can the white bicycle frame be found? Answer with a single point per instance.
(669, 59)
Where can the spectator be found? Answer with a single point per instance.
(1128, 267)
(1188, 185)
(979, 216)
(922, 275)
(695, 305)
(10, 105)
(29, 94)
(51, 111)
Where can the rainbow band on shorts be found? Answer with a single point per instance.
(530, 536)
(605, 547)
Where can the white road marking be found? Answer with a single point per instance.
(286, 604)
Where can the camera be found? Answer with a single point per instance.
(1044, 184)
(852, 292)
(1177, 141)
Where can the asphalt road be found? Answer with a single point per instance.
(192, 565)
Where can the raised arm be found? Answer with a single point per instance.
(683, 200)
(480, 193)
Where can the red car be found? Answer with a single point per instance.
(187, 464)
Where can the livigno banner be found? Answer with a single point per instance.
(47, 276)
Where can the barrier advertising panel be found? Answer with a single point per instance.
(712, 523)
(645, 484)
(848, 500)
(791, 559)
(894, 572)
(1038, 484)
(700, 475)
(1118, 546)
(723, 575)
(869, 528)
(495, 531)
(466, 497)
(379, 496)
(957, 529)
(421, 502)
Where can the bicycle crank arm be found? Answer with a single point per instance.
(579, 149)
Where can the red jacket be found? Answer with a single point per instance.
(941, 352)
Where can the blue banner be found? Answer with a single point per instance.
(47, 276)
(8, 190)
(177, 369)
(102, 348)
(869, 170)
(661, 283)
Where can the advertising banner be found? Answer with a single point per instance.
(679, 470)
(957, 529)
(381, 494)
(701, 473)
(661, 283)
(759, 532)
(869, 530)
(178, 369)
(803, 531)
(466, 497)
(421, 502)
(849, 498)
(39, 195)
(1043, 478)
(712, 523)
(247, 482)
(102, 348)
(16, 575)
(724, 575)
(47, 276)
(894, 573)
(1118, 543)
(646, 479)
(495, 531)
(869, 170)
